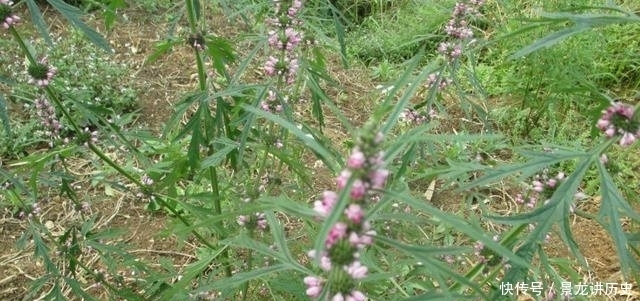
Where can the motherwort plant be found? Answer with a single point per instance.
(357, 186)
(283, 39)
(459, 35)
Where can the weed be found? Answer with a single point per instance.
(466, 177)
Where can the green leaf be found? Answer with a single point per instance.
(406, 159)
(398, 106)
(321, 151)
(280, 240)
(317, 96)
(564, 266)
(437, 269)
(421, 251)
(217, 158)
(248, 122)
(160, 49)
(96, 114)
(180, 110)
(611, 208)
(535, 161)
(286, 205)
(582, 22)
(460, 225)
(36, 17)
(110, 13)
(340, 33)
(293, 163)
(555, 211)
(195, 269)
(207, 219)
(193, 153)
(565, 197)
(38, 284)
(77, 289)
(197, 10)
(7, 80)
(221, 52)
(106, 234)
(6, 175)
(73, 14)
(287, 286)
(246, 63)
(4, 116)
(55, 293)
(550, 40)
(242, 277)
(42, 250)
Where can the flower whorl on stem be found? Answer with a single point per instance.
(7, 17)
(283, 39)
(339, 258)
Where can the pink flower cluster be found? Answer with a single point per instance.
(284, 39)
(7, 17)
(436, 80)
(459, 35)
(542, 187)
(450, 50)
(41, 73)
(146, 180)
(197, 41)
(414, 116)
(30, 212)
(618, 120)
(257, 221)
(339, 259)
(48, 118)
(92, 136)
(484, 255)
(271, 103)
(458, 29)
(478, 247)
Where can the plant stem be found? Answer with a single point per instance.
(115, 166)
(209, 134)
(217, 207)
(16, 35)
(245, 286)
(191, 14)
(202, 76)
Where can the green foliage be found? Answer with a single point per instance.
(77, 64)
(566, 70)
(72, 15)
(236, 180)
(356, 11)
(399, 34)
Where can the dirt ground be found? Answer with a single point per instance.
(160, 84)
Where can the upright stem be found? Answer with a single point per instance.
(191, 14)
(16, 35)
(202, 75)
(217, 204)
(213, 174)
(245, 286)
